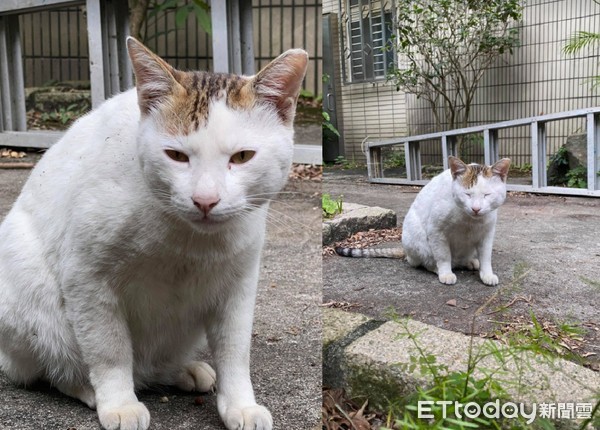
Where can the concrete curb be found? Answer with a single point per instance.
(368, 358)
(355, 218)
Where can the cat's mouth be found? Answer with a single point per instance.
(209, 220)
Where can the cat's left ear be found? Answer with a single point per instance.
(154, 78)
(280, 81)
(500, 168)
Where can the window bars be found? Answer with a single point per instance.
(368, 27)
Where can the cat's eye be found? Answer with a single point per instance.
(177, 156)
(241, 157)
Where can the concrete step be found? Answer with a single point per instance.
(370, 359)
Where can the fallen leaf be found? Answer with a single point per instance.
(451, 302)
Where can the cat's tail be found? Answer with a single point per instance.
(371, 252)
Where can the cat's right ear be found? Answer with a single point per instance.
(457, 166)
(154, 78)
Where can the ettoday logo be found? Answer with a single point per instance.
(474, 410)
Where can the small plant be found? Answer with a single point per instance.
(448, 389)
(327, 125)
(342, 161)
(395, 159)
(331, 207)
(64, 115)
(577, 177)
(525, 168)
(183, 9)
(561, 174)
(481, 382)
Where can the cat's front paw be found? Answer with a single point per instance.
(253, 417)
(488, 278)
(197, 376)
(447, 278)
(132, 416)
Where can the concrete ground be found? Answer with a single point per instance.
(546, 255)
(286, 350)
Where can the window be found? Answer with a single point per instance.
(368, 30)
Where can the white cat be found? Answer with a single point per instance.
(137, 239)
(452, 221)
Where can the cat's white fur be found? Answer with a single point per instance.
(111, 279)
(450, 225)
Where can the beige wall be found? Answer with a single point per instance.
(375, 110)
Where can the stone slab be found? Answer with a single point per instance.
(355, 218)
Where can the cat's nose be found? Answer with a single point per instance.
(206, 204)
(475, 210)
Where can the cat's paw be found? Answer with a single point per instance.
(473, 264)
(488, 278)
(132, 416)
(447, 278)
(253, 417)
(197, 376)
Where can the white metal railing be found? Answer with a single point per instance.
(539, 160)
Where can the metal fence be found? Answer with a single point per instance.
(55, 41)
(379, 153)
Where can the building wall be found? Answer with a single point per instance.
(538, 78)
(373, 110)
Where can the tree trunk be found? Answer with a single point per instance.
(138, 10)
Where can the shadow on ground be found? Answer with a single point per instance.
(546, 255)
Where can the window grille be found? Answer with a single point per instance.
(368, 29)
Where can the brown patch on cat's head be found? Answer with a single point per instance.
(183, 99)
(467, 174)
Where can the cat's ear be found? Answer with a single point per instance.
(457, 166)
(280, 81)
(154, 78)
(500, 168)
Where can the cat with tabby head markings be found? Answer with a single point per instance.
(452, 222)
(136, 241)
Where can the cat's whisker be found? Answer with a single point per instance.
(283, 216)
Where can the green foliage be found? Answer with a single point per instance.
(489, 369)
(342, 161)
(182, 8)
(524, 168)
(64, 116)
(331, 207)
(327, 125)
(581, 40)
(395, 159)
(572, 178)
(561, 157)
(577, 177)
(462, 386)
(447, 45)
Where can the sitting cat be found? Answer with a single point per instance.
(136, 241)
(452, 222)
